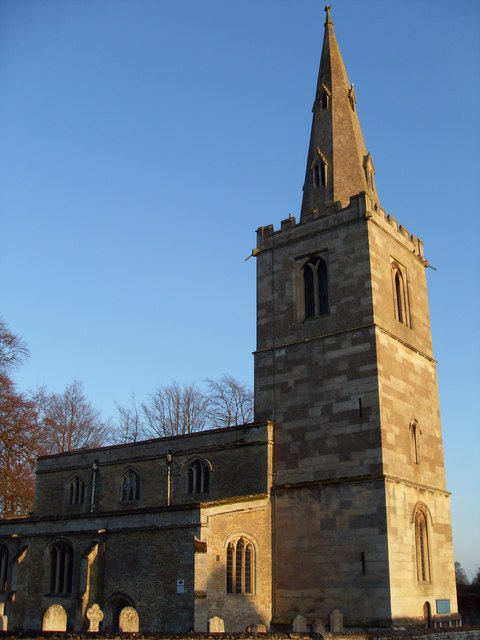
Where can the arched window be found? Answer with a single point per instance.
(324, 100)
(198, 477)
(315, 286)
(3, 567)
(414, 432)
(76, 492)
(319, 174)
(400, 295)
(61, 568)
(422, 547)
(130, 486)
(240, 566)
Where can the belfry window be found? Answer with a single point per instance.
(422, 547)
(76, 492)
(198, 477)
(130, 486)
(3, 567)
(240, 566)
(414, 432)
(61, 568)
(319, 174)
(315, 285)
(400, 302)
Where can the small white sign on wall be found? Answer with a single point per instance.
(180, 586)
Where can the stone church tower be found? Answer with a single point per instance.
(344, 366)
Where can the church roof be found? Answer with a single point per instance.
(338, 165)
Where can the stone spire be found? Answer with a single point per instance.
(338, 165)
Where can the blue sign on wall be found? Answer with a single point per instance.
(443, 606)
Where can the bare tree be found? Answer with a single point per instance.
(71, 422)
(230, 402)
(13, 350)
(129, 425)
(174, 410)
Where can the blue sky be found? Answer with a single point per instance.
(143, 142)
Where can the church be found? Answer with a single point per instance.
(331, 508)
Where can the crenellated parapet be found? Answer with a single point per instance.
(360, 207)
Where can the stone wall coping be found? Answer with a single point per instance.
(442, 633)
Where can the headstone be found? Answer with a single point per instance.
(256, 628)
(95, 616)
(336, 621)
(128, 620)
(3, 617)
(318, 626)
(54, 618)
(299, 624)
(216, 625)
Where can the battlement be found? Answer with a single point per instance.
(360, 207)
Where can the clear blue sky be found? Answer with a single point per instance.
(143, 142)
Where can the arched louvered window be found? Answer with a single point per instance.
(198, 477)
(309, 286)
(319, 174)
(422, 546)
(414, 432)
(400, 295)
(315, 286)
(240, 566)
(61, 568)
(3, 567)
(324, 100)
(130, 486)
(76, 492)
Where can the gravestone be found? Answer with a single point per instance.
(318, 626)
(95, 616)
(216, 625)
(128, 620)
(256, 628)
(336, 621)
(54, 618)
(3, 617)
(299, 624)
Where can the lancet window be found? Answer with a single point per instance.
(61, 568)
(315, 285)
(130, 486)
(400, 301)
(240, 566)
(422, 546)
(76, 492)
(414, 433)
(198, 477)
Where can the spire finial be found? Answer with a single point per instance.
(328, 19)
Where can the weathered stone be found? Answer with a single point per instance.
(3, 618)
(318, 626)
(216, 625)
(55, 618)
(256, 628)
(336, 621)
(299, 624)
(128, 621)
(95, 616)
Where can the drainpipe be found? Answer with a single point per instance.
(94, 486)
(169, 478)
